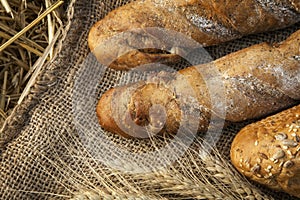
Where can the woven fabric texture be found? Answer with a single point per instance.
(53, 148)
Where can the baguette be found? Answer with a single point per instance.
(268, 151)
(258, 81)
(207, 22)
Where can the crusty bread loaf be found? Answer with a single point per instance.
(258, 81)
(268, 151)
(207, 22)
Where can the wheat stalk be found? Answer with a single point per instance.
(193, 176)
(100, 195)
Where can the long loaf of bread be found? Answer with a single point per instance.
(268, 151)
(257, 81)
(208, 22)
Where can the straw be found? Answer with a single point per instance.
(29, 26)
(7, 7)
(27, 42)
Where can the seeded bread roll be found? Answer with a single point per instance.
(207, 22)
(268, 151)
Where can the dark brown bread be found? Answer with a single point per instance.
(208, 22)
(258, 81)
(268, 151)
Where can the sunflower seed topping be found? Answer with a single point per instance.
(280, 136)
(259, 175)
(269, 167)
(288, 164)
(297, 57)
(297, 138)
(270, 174)
(281, 164)
(263, 156)
(289, 143)
(279, 154)
(248, 165)
(256, 168)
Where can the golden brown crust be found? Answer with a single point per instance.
(149, 105)
(105, 116)
(257, 81)
(207, 22)
(268, 151)
(155, 105)
(138, 58)
(256, 84)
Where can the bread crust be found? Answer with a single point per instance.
(105, 115)
(258, 81)
(207, 22)
(268, 151)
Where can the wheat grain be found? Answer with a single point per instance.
(192, 177)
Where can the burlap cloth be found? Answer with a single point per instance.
(44, 154)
